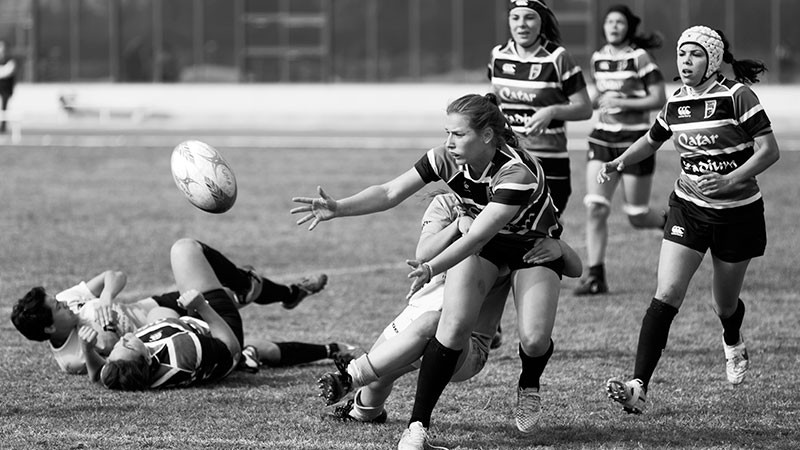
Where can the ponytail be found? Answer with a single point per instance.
(647, 41)
(744, 71)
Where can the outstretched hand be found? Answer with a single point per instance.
(320, 209)
(421, 274)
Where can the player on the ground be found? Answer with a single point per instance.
(724, 139)
(629, 85)
(177, 351)
(399, 348)
(56, 319)
(504, 187)
(540, 87)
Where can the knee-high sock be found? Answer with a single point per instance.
(533, 367)
(294, 353)
(438, 365)
(652, 339)
(732, 325)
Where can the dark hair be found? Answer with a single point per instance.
(31, 315)
(483, 111)
(550, 28)
(744, 71)
(644, 41)
(127, 375)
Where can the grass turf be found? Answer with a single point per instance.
(71, 213)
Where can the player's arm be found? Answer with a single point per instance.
(488, 223)
(644, 147)
(94, 362)
(578, 108)
(8, 69)
(106, 286)
(655, 99)
(192, 300)
(370, 200)
(549, 249)
(435, 237)
(765, 154)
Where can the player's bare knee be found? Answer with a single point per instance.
(425, 325)
(535, 344)
(597, 206)
(184, 246)
(638, 216)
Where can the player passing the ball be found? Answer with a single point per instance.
(400, 346)
(724, 139)
(505, 188)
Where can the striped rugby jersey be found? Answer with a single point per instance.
(185, 351)
(713, 131)
(512, 178)
(523, 85)
(628, 72)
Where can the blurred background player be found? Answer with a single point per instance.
(540, 87)
(629, 85)
(42, 317)
(177, 351)
(8, 78)
(402, 343)
(724, 139)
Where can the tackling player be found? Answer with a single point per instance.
(399, 348)
(724, 139)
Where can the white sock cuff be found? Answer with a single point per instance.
(590, 199)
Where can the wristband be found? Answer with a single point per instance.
(428, 269)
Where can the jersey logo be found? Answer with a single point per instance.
(509, 69)
(684, 112)
(677, 231)
(698, 140)
(155, 336)
(536, 70)
(604, 65)
(711, 106)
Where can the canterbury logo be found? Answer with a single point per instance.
(677, 231)
(684, 112)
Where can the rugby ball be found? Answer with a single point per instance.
(204, 177)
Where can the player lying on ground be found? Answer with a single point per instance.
(401, 345)
(176, 351)
(42, 317)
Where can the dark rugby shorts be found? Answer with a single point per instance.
(604, 153)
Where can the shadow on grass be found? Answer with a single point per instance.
(644, 434)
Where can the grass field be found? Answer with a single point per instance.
(69, 213)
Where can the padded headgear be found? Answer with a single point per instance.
(711, 43)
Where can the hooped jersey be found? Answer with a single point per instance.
(525, 84)
(629, 72)
(513, 177)
(713, 131)
(185, 351)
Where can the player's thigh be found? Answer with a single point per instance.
(536, 291)
(727, 284)
(606, 189)
(677, 265)
(464, 291)
(190, 267)
(637, 189)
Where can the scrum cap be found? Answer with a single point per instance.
(710, 41)
(530, 4)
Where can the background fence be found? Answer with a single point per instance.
(344, 40)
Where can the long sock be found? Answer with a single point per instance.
(228, 274)
(438, 365)
(533, 367)
(272, 292)
(732, 325)
(294, 353)
(598, 271)
(652, 339)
